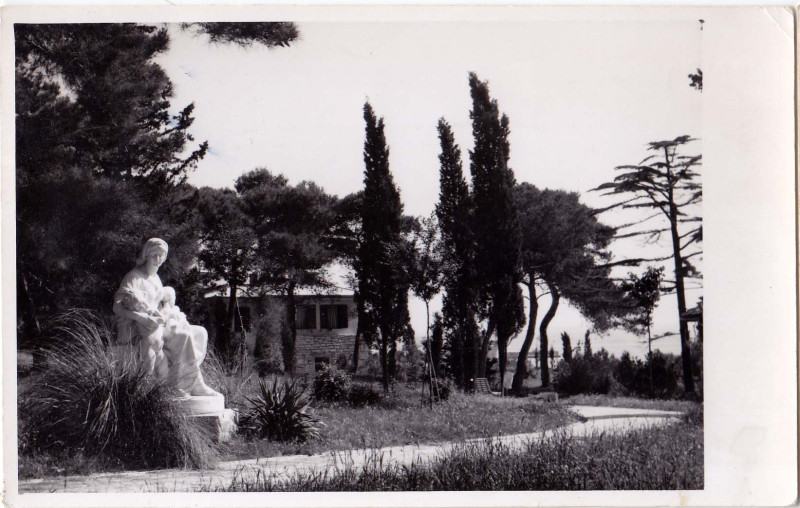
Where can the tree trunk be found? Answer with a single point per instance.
(291, 318)
(230, 324)
(384, 357)
(359, 330)
(686, 352)
(356, 345)
(522, 360)
(650, 354)
(459, 351)
(392, 360)
(428, 335)
(543, 347)
(502, 356)
(480, 361)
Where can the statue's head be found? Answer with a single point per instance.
(152, 246)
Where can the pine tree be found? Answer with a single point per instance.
(382, 278)
(666, 184)
(564, 250)
(291, 225)
(101, 160)
(458, 303)
(495, 225)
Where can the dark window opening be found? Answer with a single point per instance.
(320, 362)
(333, 316)
(306, 317)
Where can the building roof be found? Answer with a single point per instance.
(223, 290)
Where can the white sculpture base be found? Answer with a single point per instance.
(201, 405)
(210, 413)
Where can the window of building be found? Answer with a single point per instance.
(306, 317)
(333, 316)
(320, 362)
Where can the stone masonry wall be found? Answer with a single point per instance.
(337, 349)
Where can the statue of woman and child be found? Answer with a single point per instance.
(169, 347)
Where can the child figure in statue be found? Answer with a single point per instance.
(150, 345)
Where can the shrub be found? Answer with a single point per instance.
(361, 395)
(442, 387)
(584, 375)
(268, 329)
(635, 375)
(331, 385)
(280, 412)
(91, 403)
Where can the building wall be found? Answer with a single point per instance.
(334, 346)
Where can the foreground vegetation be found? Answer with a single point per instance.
(647, 459)
(403, 419)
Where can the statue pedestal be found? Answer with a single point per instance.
(210, 413)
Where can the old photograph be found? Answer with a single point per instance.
(445, 253)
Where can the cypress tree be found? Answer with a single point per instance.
(566, 347)
(458, 303)
(382, 281)
(495, 225)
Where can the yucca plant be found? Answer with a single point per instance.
(99, 404)
(280, 412)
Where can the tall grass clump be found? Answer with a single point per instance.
(280, 412)
(90, 402)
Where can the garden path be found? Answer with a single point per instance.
(598, 419)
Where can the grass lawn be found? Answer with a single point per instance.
(658, 458)
(403, 419)
(685, 406)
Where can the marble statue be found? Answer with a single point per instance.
(147, 318)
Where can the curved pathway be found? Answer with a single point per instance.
(598, 419)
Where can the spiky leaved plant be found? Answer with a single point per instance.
(280, 412)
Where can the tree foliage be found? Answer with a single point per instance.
(495, 225)
(564, 249)
(101, 162)
(269, 34)
(383, 281)
(459, 303)
(666, 185)
(566, 347)
(95, 138)
(291, 224)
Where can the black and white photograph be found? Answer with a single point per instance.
(399, 249)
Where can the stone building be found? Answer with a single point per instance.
(326, 326)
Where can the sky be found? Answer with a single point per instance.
(582, 95)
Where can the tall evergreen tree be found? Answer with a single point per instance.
(383, 281)
(587, 346)
(495, 225)
(566, 347)
(454, 211)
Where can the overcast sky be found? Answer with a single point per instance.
(582, 97)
